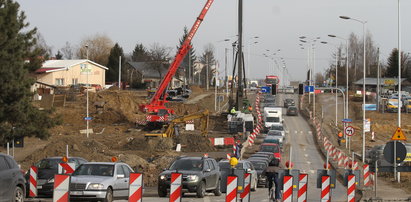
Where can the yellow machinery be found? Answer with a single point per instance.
(203, 116)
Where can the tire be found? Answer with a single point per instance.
(162, 192)
(18, 195)
(217, 190)
(201, 189)
(109, 195)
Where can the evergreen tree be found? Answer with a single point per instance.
(59, 56)
(19, 56)
(187, 65)
(113, 62)
(140, 54)
(392, 64)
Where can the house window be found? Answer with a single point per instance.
(74, 81)
(59, 82)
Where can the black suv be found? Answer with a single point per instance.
(288, 102)
(200, 175)
(46, 169)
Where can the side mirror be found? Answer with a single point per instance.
(208, 170)
(248, 170)
(120, 176)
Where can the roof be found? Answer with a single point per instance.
(146, 69)
(58, 65)
(374, 81)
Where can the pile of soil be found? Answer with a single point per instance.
(194, 143)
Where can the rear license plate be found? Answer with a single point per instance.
(76, 193)
(39, 187)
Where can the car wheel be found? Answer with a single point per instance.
(18, 195)
(217, 191)
(201, 189)
(109, 195)
(162, 192)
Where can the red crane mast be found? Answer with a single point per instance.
(157, 110)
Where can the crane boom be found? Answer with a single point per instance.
(157, 104)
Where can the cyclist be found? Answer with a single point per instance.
(271, 172)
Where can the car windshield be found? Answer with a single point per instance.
(94, 169)
(272, 119)
(269, 148)
(226, 165)
(277, 127)
(259, 165)
(274, 133)
(48, 163)
(187, 164)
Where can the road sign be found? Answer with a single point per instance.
(347, 120)
(349, 131)
(88, 118)
(309, 89)
(398, 135)
(389, 152)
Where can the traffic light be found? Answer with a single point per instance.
(274, 90)
(19, 142)
(300, 88)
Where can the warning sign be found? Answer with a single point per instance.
(408, 157)
(398, 135)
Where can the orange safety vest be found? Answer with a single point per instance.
(250, 108)
(340, 134)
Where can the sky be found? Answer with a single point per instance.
(276, 23)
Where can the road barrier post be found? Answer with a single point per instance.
(288, 188)
(351, 188)
(302, 187)
(231, 194)
(33, 181)
(175, 187)
(66, 168)
(325, 189)
(135, 193)
(245, 195)
(61, 192)
(366, 169)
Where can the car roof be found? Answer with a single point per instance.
(104, 163)
(269, 144)
(60, 157)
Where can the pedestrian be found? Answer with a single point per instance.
(250, 108)
(340, 136)
(272, 174)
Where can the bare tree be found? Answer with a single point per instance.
(319, 79)
(99, 47)
(68, 51)
(208, 59)
(159, 56)
(42, 45)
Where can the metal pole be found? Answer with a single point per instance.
(346, 72)
(67, 152)
(216, 88)
(189, 67)
(291, 152)
(119, 73)
(314, 82)
(240, 56)
(309, 76)
(8, 148)
(399, 88)
(208, 66)
(378, 80)
(12, 147)
(226, 73)
(363, 99)
(326, 163)
(336, 86)
(87, 121)
(376, 178)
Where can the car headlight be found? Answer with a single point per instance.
(162, 177)
(95, 186)
(50, 180)
(192, 178)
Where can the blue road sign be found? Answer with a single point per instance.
(309, 89)
(347, 120)
(370, 107)
(265, 89)
(88, 118)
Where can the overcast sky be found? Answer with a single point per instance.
(277, 23)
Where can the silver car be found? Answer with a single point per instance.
(12, 182)
(100, 181)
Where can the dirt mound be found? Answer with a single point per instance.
(151, 144)
(194, 143)
(196, 89)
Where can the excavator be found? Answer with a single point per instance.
(169, 132)
(157, 112)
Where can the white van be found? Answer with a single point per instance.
(272, 116)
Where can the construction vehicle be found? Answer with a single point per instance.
(158, 113)
(169, 132)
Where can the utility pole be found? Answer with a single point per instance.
(378, 80)
(87, 116)
(240, 56)
(207, 66)
(226, 73)
(119, 73)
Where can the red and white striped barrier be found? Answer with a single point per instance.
(325, 189)
(245, 195)
(33, 181)
(175, 187)
(302, 187)
(222, 141)
(228, 156)
(61, 191)
(351, 188)
(135, 193)
(340, 159)
(231, 195)
(66, 168)
(366, 169)
(288, 188)
(355, 166)
(345, 161)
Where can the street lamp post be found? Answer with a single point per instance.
(87, 108)
(363, 83)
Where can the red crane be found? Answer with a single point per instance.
(156, 109)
